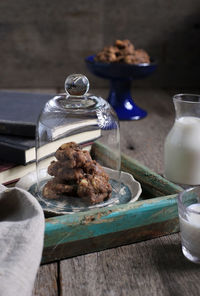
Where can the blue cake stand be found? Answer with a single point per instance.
(120, 76)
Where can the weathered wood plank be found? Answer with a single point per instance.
(156, 268)
(47, 282)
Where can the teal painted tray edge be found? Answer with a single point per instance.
(68, 228)
(67, 235)
(152, 182)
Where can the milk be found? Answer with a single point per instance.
(190, 230)
(182, 151)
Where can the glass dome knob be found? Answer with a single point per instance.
(76, 85)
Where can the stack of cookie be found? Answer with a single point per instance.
(76, 174)
(123, 51)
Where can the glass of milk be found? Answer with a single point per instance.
(182, 144)
(189, 218)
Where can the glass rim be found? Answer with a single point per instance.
(180, 196)
(180, 98)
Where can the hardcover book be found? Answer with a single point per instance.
(10, 172)
(22, 150)
(19, 112)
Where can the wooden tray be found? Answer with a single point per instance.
(155, 214)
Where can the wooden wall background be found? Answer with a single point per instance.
(42, 41)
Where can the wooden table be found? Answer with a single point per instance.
(153, 267)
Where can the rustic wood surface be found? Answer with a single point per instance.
(153, 267)
(43, 41)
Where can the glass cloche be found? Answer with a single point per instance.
(77, 150)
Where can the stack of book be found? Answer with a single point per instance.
(19, 113)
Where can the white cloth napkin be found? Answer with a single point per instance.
(21, 241)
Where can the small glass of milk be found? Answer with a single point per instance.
(189, 218)
(182, 144)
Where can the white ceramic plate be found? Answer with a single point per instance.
(130, 191)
